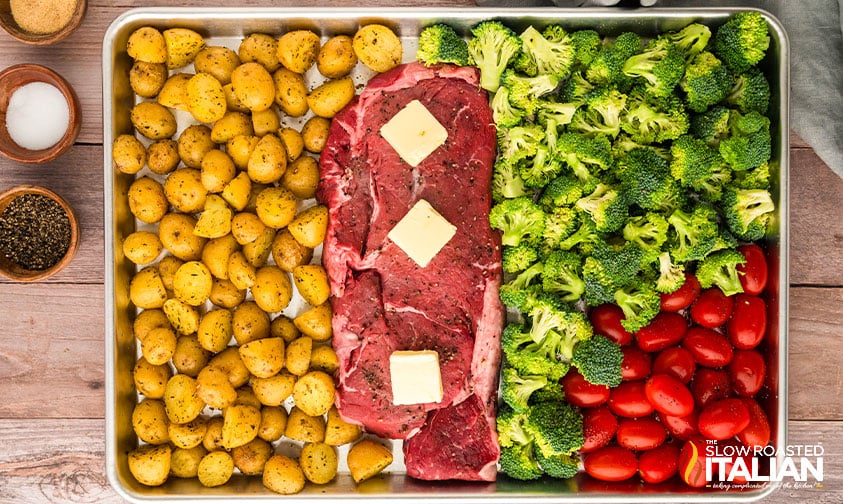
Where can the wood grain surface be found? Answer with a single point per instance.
(52, 333)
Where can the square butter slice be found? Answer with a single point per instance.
(415, 375)
(414, 133)
(422, 233)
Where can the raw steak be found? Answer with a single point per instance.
(383, 301)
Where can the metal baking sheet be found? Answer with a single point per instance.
(226, 26)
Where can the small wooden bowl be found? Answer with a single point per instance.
(7, 21)
(14, 271)
(19, 75)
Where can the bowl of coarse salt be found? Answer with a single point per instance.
(39, 114)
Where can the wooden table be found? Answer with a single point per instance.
(52, 333)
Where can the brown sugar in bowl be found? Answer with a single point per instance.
(7, 21)
(14, 271)
(13, 78)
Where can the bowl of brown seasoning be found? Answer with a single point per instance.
(39, 233)
(41, 22)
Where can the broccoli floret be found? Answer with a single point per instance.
(439, 43)
(695, 233)
(557, 331)
(697, 166)
(563, 190)
(623, 144)
(510, 425)
(757, 178)
(747, 212)
(507, 181)
(519, 462)
(550, 52)
(599, 360)
(671, 276)
(646, 181)
(606, 206)
(751, 92)
(562, 275)
(750, 143)
(525, 91)
(576, 88)
(648, 232)
(607, 65)
(544, 167)
(526, 356)
(518, 219)
(585, 238)
(587, 44)
(560, 223)
(609, 268)
(712, 126)
(559, 466)
(503, 112)
(516, 389)
(521, 292)
(706, 81)
(742, 41)
(648, 121)
(554, 114)
(661, 64)
(640, 303)
(720, 269)
(518, 258)
(519, 142)
(585, 156)
(556, 428)
(491, 47)
(602, 113)
(692, 39)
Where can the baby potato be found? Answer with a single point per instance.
(128, 154)
(215, 219)
(213, 436)
(183, 317)
(283, 475)
(311, 280)
(249, 323)
(331, 97)
(236, 193)
(303, 427)
(215, 330)
(184, 190)
(214, 389)
(184, 462)
(175, 230)
(288, 252)
(319, 462)
(310, 226)
(182, 46)
(146, 79)
(240, 272)
(153, 120)
(246, 396)
(231, 100)
(297, 50)
(268, 160)
(174, 93)
(217, 61)
(302, 177)
(273, 423)
(260, 48)
(253, 86)
(377, 47)
(232, 124)
(315, 133)
(206, 98)
(148, 320)
(150, 378)
(192, 283)
(159, 345)
(149, 421)
(167, 267)
(273, 390)
(257, 251)
(367, 458)
(150, 464)
(215, 255)
(263, 357)
(298, 355)
(336, 57)
(314, 392)
(217, 170)
(246, 227)
(240, 148)
(252, 456)
(265, 121)
(225, 294)
(162, 156)
(181, 400)
(147, 44)
(232, 366)
(293, 143)
(215, 469)
(147, 200)
(338, 432)
(276, 206)
(142, 247)
(189, 357)
(282, 327)
(272, 290)
(290, 92)
(240, 425)
(190, 434)
(193, 143)
(323, 358)
(146, 289)
(316, 322)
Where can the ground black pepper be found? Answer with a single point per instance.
(34, 232)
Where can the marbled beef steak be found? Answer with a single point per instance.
(383, 301)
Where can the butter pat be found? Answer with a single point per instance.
(415, 375)
(422, 233)
(414, 133)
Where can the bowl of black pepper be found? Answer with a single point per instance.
(39, 233)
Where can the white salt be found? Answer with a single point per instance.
(37, 116)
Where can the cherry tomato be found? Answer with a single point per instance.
(681, 428)
(640, 433)
(708, 347)
(692, 462)
(747, 371)
(611, 463)
(753, 273)
(636, 364)
(711, 385)
(682, 297)
(606, 320)
(712, 308)
(748, 323)
(757, 433)
(658, 464)
(668, 395)
(665, 330)
(598, 426)
(723, 419)
(677, 362)
(580, 392)
(629, 400)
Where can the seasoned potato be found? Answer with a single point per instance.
(159, 345)
(167, 267)
(316, 322)
(273, 390)
(153, 120)
(236, 193)
(315, 133)
(150, 378)
(323, 358)
(282, 327)
(266, 121)
(312, 283)
(146, 79)
(330, 97)
(314, 392)
(215, 330)
(147, 200)
(128, 153)
(181, 400)
(192, 283)
(217, 170)
(215, 219)
(310, 226)
(377, 47)
(231, 364)
(260, 48)
(232, 124)
(290, 92)
(246, 227)
(242, 274)
(175, 230)
(146, 290)
(184, 190)
(298, 355)
(263, 357)
(182, 46)
(147, 44)
(142, 247)
(257, 251)
(338, 432)
(231, 100)
(174, 92)
(189, 357)
(162, 156)
(148, 320)
(190, 434)
(249, 323)
(303, 427)
(297, 50)
(319, 462)
(253, 86)
(214, 389)
(246, 396)
(213, 435)
(240, 425)
(193, 143)
(272, 290)
(252, 456)
(276, 206)
(268, 160)
(302, 177)
(217, 61)
(150, 464)
(215, 255)
(184, 462)
(336, 57)
(183, 317)
(206, 98)
(240, 148)
(273, 423)
(293, 143)
(283, 475)
(149, 421)
(215, 469)
(289, 253)
(367, 458)
(225, 294)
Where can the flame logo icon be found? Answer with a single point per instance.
(694, 470)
